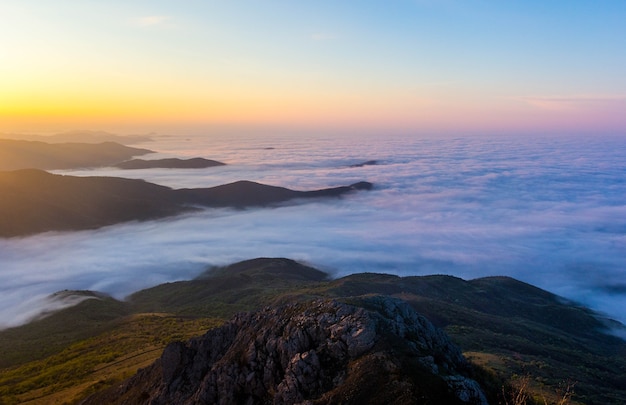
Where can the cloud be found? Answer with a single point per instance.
(568, 103)
(152, 21)
(549, 211)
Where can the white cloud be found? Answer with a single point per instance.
(565, 103)
(153, 21)
(551, 212)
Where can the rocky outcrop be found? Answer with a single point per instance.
(373, 350)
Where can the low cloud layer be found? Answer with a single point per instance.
(551, 212)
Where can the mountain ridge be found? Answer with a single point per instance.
(168, 163)
(484, 317)
(80, 136)
(23, 154)
(34, 201)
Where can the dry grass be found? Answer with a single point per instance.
(522, 392)
(97, 363)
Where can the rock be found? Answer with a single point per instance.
(373, 350)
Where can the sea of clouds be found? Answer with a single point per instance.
(550, 211)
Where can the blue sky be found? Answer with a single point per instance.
(439, 66)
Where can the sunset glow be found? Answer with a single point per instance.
(415, 66)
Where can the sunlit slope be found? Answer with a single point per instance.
(91, 346)
(509, 327)
(19, 154)
(33, 201)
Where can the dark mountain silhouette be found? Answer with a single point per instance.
(17, 154)
(367, 163)
(170, 163)
(245, 193)
(33, 201)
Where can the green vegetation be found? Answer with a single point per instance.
(506, 328)
(99, 361)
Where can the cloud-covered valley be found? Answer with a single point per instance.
(549, 211)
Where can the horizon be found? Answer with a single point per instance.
(145, 142)
(417, 67)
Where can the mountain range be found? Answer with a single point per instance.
(510, 333)
(22, 154)
(80, 136)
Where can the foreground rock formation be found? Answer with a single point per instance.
(376, 350)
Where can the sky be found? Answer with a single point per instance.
(421, 66)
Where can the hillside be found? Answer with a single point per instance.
(379, 351)
(81, 136)
(33, 201)
(506, 327)
(22, 154)
(170, 163)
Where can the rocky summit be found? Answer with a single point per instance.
(369, 350)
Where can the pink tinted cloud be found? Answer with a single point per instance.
(576, 102)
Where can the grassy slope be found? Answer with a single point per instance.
(97, 362)
(507, 326)
(99, 342)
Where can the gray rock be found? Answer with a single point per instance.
(378, 350)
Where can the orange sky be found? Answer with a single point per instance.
(416, 67)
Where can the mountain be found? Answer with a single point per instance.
(510, 332)
(366, 163)
(171, 163)
(241, 194)
(33, 201)
(80, 136)
(379, 351)
(21, 154)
